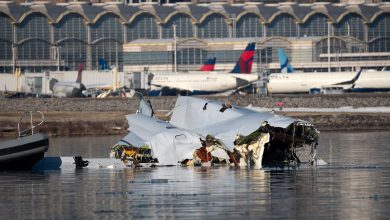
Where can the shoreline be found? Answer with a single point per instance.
(91, 116)
(114, 123)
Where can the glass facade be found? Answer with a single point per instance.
(6, 34)
(71, 38)
(189, 56)
(214, 26)
(72, 53)
(34, 50)
(184, 27)
(315, 26)
(225, 56)
(6, 28)
(107, 40)
(109, 50)
(379, 34)
(33, 38)
(249, 25)
(34, 26)
(284, 25)
(144, 26)
(71, 26)
(351, 26)
(148, 58)
(337, 46)
(379, 45)
(107, 27)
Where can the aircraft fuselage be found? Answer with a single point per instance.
(304, 82)
(63, 90)
(211, 82)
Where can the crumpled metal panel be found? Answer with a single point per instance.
(189, 114)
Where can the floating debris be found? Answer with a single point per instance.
(205, 132)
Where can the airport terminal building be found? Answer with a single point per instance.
(137, 37)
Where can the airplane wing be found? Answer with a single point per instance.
(352, 81)
(209, 117)
(345, 85)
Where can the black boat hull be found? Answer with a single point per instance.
(24, 152)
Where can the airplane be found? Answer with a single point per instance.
(67, 89)
(78, 89)
(207, 82)
(320, 82)
(325, 82)
(194, 120)
(285, 66)
(115, 90)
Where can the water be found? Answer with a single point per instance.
(355, 185)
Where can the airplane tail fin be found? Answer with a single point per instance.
(103, 64)
(285, 66)
(78, 80)
(244, 64)
(209, 65)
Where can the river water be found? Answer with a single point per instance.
(354, 185)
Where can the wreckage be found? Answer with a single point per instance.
(205, 132)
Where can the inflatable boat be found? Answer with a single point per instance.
(26, 150)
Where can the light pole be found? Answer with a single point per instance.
(174, 48)
(329, 26)
(58, 57)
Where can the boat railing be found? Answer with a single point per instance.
(32, 126)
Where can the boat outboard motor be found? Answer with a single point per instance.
(80, 163)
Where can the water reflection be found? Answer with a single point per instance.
(87, 146)
(356, 185)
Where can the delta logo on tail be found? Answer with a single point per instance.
(208, 65)
(244, 64)
(285, 66)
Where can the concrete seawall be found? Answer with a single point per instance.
(88, 116)
(165, 103)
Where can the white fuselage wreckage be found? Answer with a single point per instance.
(210, 131)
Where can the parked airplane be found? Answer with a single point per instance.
(210, 82)
(367, 81)
(324, 82)
(78, 89)
(67, 89)
(285, 66)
